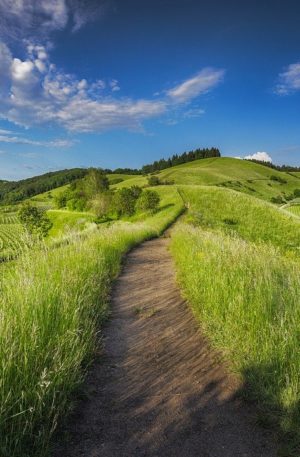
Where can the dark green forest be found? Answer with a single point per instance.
(15, 191)
(176, 159)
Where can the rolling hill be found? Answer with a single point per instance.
(240, 175)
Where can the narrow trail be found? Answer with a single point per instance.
(158, 389)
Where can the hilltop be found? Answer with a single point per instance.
(241, 175)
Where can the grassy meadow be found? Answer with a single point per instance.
(237, 257)
(237, 261)
(241, 175)
(52, 304)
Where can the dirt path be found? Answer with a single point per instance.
(158, 389)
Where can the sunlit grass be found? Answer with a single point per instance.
(238, 265)
(52, 304)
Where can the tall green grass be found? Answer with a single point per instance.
(52, 304)
(242, 279)
(236, 213)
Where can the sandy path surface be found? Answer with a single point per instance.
(158, 389)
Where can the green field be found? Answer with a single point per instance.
(238, 263)
(241, 175)
(239, 267)
(12, 237)
(294, 209)
(46, 199)
(65, 221)
(248, 217)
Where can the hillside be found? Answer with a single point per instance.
(240, 175)
(234, 251)
(15, 191)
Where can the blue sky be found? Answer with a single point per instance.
(124, 82)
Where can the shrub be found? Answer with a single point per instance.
(136, 191)
(278, 179)
(95, 182)
(296, 193)
(34, 220)
(148, 201)
(278, 199)
(101, 204)
(124, 202)
(61, 200)
(116, 180)
(154, 181)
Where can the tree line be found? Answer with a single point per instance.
(12, 192)
(92, 193)
(176, 159)
(285, 168)
(15, 191)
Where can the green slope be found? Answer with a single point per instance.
(240, 175)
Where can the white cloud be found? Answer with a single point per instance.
(33, 91)
(114, 84)
(36, 18)
(262, 156)
(204, 81)
(289, 80)
(5, 132)
(57, 143)
(193, 112)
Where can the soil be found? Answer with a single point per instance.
(158, 388)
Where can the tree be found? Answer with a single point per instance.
(95, 182)
(101, 204)
(136, 191)
(35, 221)
(148, 201)
(124, 202)
(60, 200)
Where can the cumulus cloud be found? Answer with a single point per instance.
(289, 80)
(203, 82)
(34, 91)
(262, 156)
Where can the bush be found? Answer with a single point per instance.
(124, 202)
(148, 201)
(60, 200)
(278, 179)
(278, 200)
(101, 204)
(136, 191)
(153, 181)
(296, 193)
(34, 220)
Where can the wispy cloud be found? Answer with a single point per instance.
(29, 155)
(288, 80)
(57, 143)
(203, 82)
(262, 156)
(34, 91)
(193, 112)
(38, 18)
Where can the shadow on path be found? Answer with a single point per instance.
(158, 389)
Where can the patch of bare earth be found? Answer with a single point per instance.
(158, 389)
